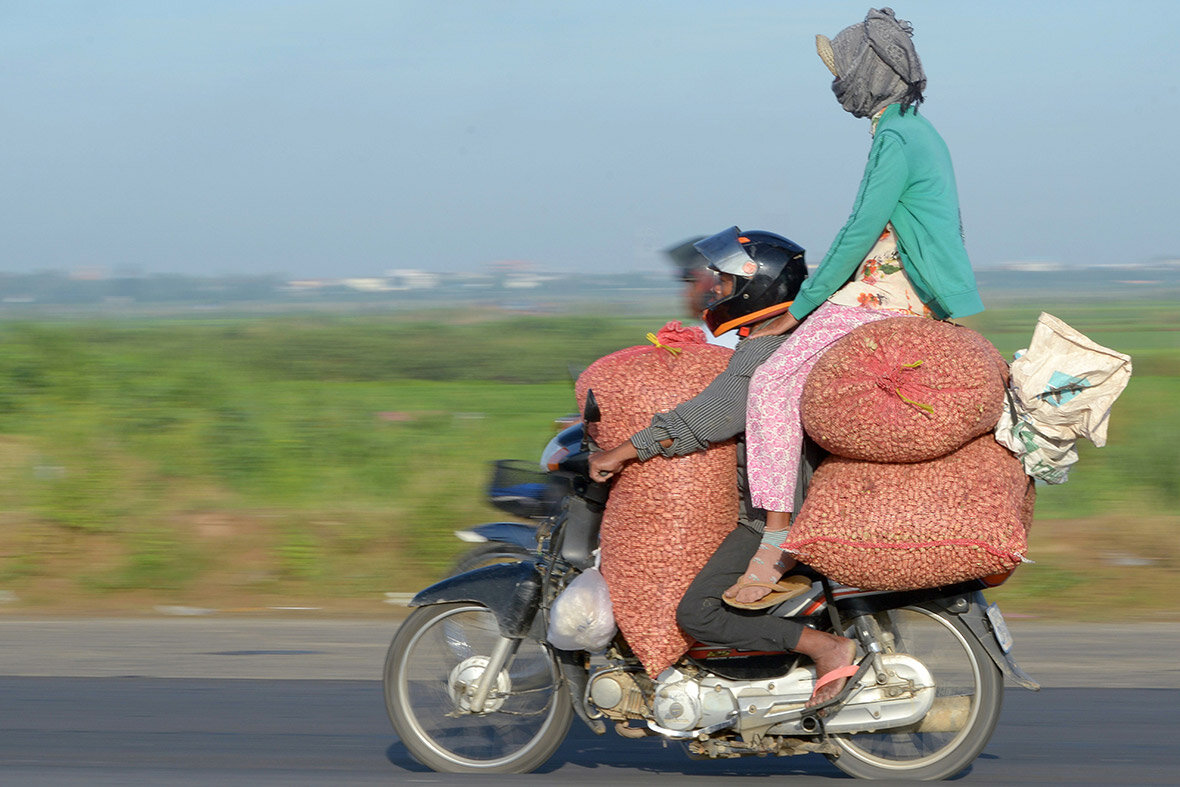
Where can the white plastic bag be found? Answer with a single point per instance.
(1062, 388)
(582, 617)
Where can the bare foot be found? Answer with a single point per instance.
(830, 653)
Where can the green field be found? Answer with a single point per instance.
(324, 459)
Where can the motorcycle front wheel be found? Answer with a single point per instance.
(968, 696)
(433, 675)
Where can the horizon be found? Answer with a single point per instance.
(325, 139)
(665, 275)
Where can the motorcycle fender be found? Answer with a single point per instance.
(515, 533)
(512, 591)
(972, 611)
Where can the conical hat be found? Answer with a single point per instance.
(823, 45)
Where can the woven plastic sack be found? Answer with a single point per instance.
(581, 617)
(1063, 387)
(665, 516)
(879, 526)
(906, 389)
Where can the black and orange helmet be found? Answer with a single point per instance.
(768, 271)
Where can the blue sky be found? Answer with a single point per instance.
(347, 137)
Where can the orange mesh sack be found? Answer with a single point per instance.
(879, 526)
(906, 389)
(665, 516)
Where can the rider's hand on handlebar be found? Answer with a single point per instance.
(604, 465)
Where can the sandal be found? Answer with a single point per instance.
(842, 673)
(783, 590)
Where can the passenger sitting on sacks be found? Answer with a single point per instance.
(758, 275)
(900, 252)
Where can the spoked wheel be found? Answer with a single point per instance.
(433, 679)
(968, 697)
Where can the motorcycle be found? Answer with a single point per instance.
(472, 685)
(526, 490)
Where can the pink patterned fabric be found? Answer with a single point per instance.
(774, 430)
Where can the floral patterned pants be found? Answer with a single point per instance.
(774, 430)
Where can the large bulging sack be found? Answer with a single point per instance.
(881, 526)
(906, 389)
(666, 516)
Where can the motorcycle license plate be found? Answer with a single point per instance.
(999, 628)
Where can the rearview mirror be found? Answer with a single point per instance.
(590, 413)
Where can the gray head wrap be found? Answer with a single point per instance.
(875, 64)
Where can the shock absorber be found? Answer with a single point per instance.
(868, 633)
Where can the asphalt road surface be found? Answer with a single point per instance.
(221, 700)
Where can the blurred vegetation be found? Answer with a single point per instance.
(326, 458)
(1114, 527)
(1139, 469)
(213, 461)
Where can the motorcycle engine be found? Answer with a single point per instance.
(684, 703)
(676, 702)
(681, 703)
(621, 693)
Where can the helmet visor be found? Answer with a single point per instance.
(726, 254)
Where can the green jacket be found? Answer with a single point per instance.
(908, 181)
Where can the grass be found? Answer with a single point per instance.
(1103, 568)
(325, 459)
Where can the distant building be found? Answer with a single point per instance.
(88, 274)
(308, 285)
(1034, 266)
(406, 279)
(368, 284)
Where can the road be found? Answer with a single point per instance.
(222, 700)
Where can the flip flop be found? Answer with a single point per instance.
(833, 676)
(786, 588)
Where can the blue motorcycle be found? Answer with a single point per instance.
(528, 490)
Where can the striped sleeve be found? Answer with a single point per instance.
(715, 414)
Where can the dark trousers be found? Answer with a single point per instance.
(703, 615)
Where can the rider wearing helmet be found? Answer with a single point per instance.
(758, 276)
(767, 271)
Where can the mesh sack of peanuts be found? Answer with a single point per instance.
(665, 516)
(905, 389)
(882, 526)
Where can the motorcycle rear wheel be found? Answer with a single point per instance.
(969, 695)
(435, 661)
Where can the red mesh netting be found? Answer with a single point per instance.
(665, 516)
(905, 389)
(900, 526)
